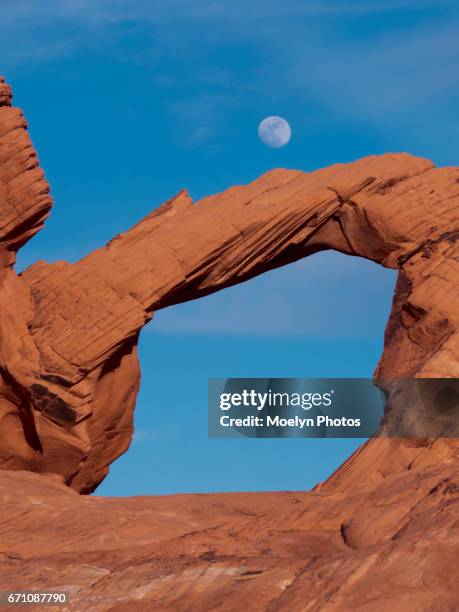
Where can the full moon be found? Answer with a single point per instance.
(274, 131)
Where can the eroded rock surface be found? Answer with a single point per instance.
(69, 368)
(380, 548)
(69, 376)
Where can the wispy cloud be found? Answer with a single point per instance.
(387, 73)
(304, 48)
(83, 18)
(102, 12)
(146, 435)
(300, 299)
(198, 119)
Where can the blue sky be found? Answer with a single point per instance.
(128, 102)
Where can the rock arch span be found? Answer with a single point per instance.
(69, 372)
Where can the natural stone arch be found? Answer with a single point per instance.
(68, 357)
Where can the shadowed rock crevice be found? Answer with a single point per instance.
(22, 401)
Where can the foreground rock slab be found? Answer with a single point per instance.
(389, 547)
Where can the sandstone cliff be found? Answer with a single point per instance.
(69, 376)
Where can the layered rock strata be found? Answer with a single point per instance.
(68, 357)
(379, 548)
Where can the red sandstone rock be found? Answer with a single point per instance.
(69, 331)
(387, 547)
(69, 377)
